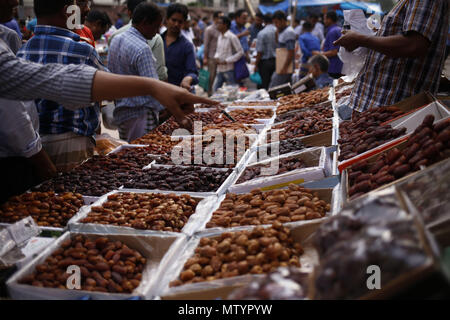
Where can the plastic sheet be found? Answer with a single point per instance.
(155, 249)
(192, 225)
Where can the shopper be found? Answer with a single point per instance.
(187, 31)
(318, 67)
(229, 51)
(82, 30)
(406, 56)
(318, 28)
(210, 42)
(119, 23)
(98, 22)
(238, 28)
(257, 26)
(308, 43)
(286, 40)
(67, 136)
(180, 54)
(330, 49)
(266, 45)
(156, 44)
(129, 54)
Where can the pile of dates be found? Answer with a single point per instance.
(257, 207)
(259, 251)
(427, 145)
(106, 266)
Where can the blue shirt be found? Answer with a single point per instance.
(13, 25)
(129, 54)
(266, 42)
(32, 24)
(254, 30)
(236, 30)
(334, 33)
(308, 44)
(324, 80)
(180, 60)
(119, 23)
(56, 45)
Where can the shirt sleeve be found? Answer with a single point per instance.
(303, 46)
(158, 53)
(260, 43)
(18, 136)
(70, 85)
(422, 16)
(190, 67)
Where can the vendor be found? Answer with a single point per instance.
(406, 56)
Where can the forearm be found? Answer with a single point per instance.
(330, 53)
(398, 46)
(258, 59)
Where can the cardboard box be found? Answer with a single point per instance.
(155, 249)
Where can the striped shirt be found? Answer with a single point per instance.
(56, 45)
(384, 80)
(129, 54)
(23, 80)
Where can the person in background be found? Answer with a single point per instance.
(297, 27)
(238, 28)
(180, 54)
(98, 22)
(156, 44)
(119, 22)
(82, 30)
(330, 49)
(206, 21)
(129, 54)
(318, 67)
(257, 26)
(229, 51)
(67, 136)
(31, 24)
(266, 45)
(187, 31)
(318, 28)
(202, 25)
(13, 25)
(405, 57)
(286, 39)
(210, 41)
(308, 43)
(231, 17)
(198, 38)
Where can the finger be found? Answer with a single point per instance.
(193, 99)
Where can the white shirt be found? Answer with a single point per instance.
(229, 49)
(188, 34)
(319, 31)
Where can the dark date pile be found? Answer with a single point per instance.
(141, 156)
(323, 112)
(95, 177)
(193, 179)
(284, 165)
(427, 145)
(284, 146)
(364, 132)
(305, 128)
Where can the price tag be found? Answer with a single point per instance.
(23, 231)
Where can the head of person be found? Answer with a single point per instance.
(147, 18)
(176, 16)
(187, 24)
(194, 22)
(85, 7)
(224, 24)
(216, 16)
(318, 65)
(307, 26)
(259, 19)
(131, 5)
(279, 20)
(330, 18)
(313, 18)
(241, 17)
(53, 12)
(268, 18)
(205, 21)
(98, 22)
(231, 16)
(296, 23)
(7, 9)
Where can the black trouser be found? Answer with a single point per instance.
(17, 177)
(266, 69)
